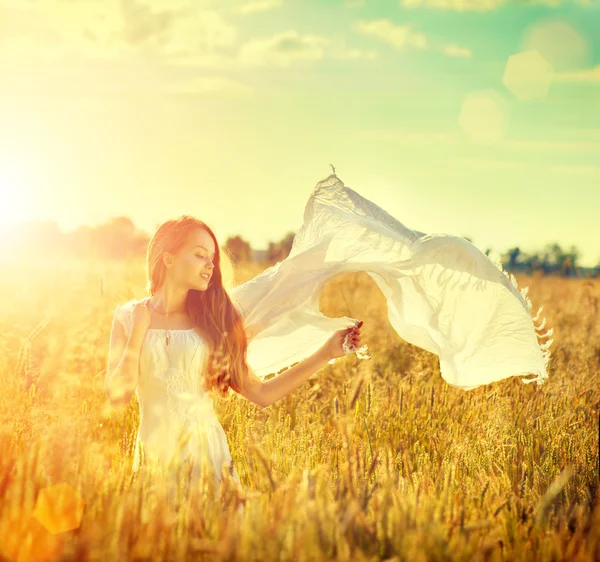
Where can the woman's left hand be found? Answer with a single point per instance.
(333, 346)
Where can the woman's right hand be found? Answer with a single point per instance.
(140, 317)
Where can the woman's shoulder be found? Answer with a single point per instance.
(130, 303)
(123, 312)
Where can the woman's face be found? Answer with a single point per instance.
(194, 261)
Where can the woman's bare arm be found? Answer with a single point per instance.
(265, 393)
(122, 372)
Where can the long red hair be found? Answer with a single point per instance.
(211, 310)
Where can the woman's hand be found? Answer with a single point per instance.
(333, 346)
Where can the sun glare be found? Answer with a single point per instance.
(13, 186)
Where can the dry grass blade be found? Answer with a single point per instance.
(552, 493)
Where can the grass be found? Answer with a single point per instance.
(368, 460)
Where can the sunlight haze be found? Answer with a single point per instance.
(233, 111)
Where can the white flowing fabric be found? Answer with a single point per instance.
(443, 294)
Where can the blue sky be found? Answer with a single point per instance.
(479, 118)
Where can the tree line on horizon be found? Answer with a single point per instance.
(119, 239)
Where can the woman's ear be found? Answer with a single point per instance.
(167, 259)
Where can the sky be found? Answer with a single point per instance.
(479, 118)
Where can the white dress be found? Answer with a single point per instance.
(443, 295)
(173, 403)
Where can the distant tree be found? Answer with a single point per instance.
(239, 249)
(278, 251)
(551, 255)
(511, 258)
(531, 262)
(123, 225)
(81, 241)
(560, 261)
(551, 259)
(286, 244)
(272, 252)
(568, 262)
(114, 238)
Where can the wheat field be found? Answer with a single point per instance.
(374, 459)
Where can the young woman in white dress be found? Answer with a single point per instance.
(185, 341)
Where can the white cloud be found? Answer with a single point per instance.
(199, 34)
(402, 37)
(114, 28)
(399, 36)
(283, 49)
(457, 51)
(48, 29)
(338, 49)
(171, 33)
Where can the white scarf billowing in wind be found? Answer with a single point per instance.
(443, 294)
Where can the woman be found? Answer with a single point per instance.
(191, 336)
(186, 340)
